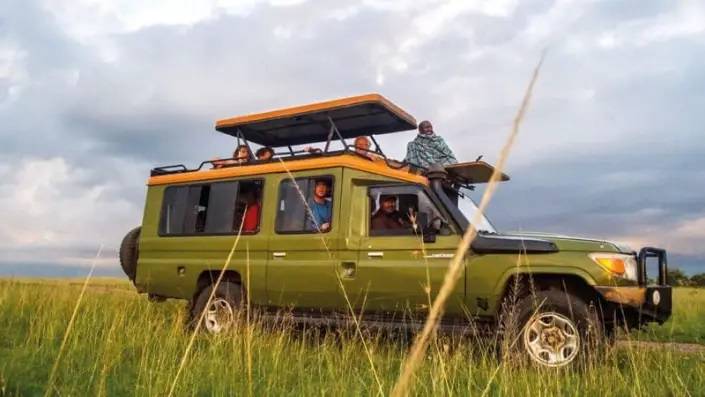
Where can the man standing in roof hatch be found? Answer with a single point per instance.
(428, 148)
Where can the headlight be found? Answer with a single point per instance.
(620, 264)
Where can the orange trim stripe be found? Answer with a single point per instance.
(313, 108)
(345, 160)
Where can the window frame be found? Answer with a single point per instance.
(332, 207)
(429, 194)
(161, 233)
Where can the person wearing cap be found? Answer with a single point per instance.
(428, 148)
(264, 153)
(387, 216)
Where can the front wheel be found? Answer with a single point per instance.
(554, 329)
(220, 313)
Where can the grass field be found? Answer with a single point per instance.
(121, 344)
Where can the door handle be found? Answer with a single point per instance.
(439, 256)
(375, 254)
(278, 254)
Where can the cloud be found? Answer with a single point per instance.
(49, 207)
(95, 93)
(684, 237)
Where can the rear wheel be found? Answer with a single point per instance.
(129, 252)
(553, 329)
(219, 315)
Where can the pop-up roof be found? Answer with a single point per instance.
(353, 116)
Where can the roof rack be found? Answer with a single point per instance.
(286, 156)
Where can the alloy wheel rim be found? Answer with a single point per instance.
(551, 339)
(219, 316)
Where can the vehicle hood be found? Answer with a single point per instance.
(573, 243)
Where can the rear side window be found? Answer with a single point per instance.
(174, 210)
(305, 205)
(211, 209)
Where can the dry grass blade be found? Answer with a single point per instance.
(248, 327)
(50, 383)
(208, 302)
(455, 269)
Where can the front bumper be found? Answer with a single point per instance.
(649, 301)
(653, 303)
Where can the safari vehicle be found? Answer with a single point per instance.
(563, 288)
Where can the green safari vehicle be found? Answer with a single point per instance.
(305, 238)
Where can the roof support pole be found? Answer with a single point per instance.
(334, 130)
(330, 134)
(378, 148)
(240, 135)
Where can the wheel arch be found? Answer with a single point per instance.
(208, 277)
(522, 282)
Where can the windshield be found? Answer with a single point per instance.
(469, 208)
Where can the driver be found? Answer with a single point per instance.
(387, 217)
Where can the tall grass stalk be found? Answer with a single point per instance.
(197, 326)
(50, 383)
(341, 285)
(455, 268)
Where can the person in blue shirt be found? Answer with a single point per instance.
(321, 208)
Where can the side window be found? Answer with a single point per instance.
(248, 207)
(173, 210)
(221, 208)
(217, 208)
(404, 210)
(196, 209)
(305, 205)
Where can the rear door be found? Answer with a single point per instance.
(302, 258)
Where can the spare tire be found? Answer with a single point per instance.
(129, 252)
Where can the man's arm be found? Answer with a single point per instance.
(411, 155)
(447, 153)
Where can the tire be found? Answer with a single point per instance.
(223, 309)
(551, 329)
(129, 252)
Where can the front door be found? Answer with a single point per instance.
(397, 271)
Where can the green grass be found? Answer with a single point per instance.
(121, 344)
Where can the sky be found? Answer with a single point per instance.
(95, 93)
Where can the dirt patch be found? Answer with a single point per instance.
(673, 346)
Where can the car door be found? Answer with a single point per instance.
(397, 270)
(302, 259)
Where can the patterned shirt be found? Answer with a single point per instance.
(426, 150)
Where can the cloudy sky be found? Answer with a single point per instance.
(94, 93)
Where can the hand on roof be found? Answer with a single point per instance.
(313, 150)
